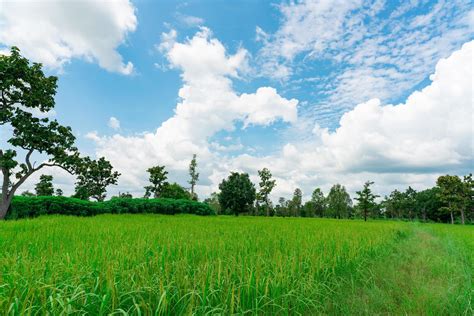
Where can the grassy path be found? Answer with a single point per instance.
(428, 273)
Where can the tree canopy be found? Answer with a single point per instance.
(237, 193)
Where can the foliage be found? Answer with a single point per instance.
(157, 178)
(451, 190)
(296, 203)
(266, 185)
(25, 90)
(213, 202)
(59, 192)
(45, 186)
(47, 205)
(366, 199)
(94, 176)
(194, 176)
(339, 202)
(175, 191)
(237, 193)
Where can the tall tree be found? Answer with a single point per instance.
(45, 186)
(25, 91)
(194, 176)
(237, 193)
(157, 178)
(318, 202)
(296, 202)
(94, 176)
(266, 185)
(451, 193)
(366, 199)
(339, 201)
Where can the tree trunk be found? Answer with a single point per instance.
(5, 205)
(462, 216)
(365, 215)
(452, 217)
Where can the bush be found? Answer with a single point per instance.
(45, 205)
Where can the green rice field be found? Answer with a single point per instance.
(186, 264)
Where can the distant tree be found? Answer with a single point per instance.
(428, 204)
(296, 202)
(339, 201)
(59, 192)
(266, 185)
(237, 193)
(125, 195)
(94, 177)
(281, 209)
(394, 204)
(213, 202)
(468, 197)
(366, 199)
(175, 191)
(27, 193)
(451, 191)
(26, 93)
(45, 186)
(157, 178)
(318, 201)
(409, 202)
(194, 176)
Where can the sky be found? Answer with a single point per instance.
(320, 92)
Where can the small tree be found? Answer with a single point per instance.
(266, 186)
(45, 186)
(366, 199)
(194, 176)
(157, 178)
(27, 193)
(59, 192)
(213, 202)
(175, 191)
(468, 197)
(237, 193)
(25, 90)
(451, 194)
(339, 201)
(93, 179)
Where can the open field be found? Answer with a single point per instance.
(158, 264)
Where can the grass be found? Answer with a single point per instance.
(167, 265)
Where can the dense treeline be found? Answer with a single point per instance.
(451, 200)
(32, 206)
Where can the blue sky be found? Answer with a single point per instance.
(299, 87)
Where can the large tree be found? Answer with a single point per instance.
(94, 176)
(339, 201)
(451, 190)
(296, 202)
(45, 186)
(157, 178)
(266, 185)
(194, 176)
(237, 193)
(366, 199)
(26, 94)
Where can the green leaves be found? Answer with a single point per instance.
(94, 176)
(237, 193)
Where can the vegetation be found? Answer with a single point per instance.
(47, 205)
(194, 175)
(158, 177)
(175, 265)
(45, 186)
(237, 194)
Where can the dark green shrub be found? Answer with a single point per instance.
(44, 205)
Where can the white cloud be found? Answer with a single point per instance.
(54, 32)
(373, 54)
(114, 123)
(207, 104)
(189, 20)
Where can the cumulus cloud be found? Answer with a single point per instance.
(207, 104)
(54, 32)
(114, 123)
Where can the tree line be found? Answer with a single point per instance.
(27, 94)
